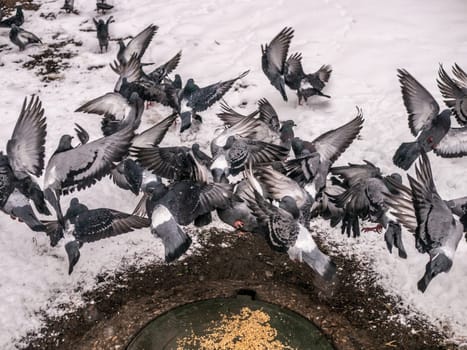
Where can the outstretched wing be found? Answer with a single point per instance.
(26, 148)
(140, 42)
(112, 103)
(154, 135)
(421, 106)
(276, 52)
(293, 71)
(453, 144)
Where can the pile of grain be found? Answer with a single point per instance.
(248, 330)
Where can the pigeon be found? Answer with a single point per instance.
(268, 128)
(306, 85)
(128, 175)
(68, 6)
(424, 213)
(364, 198)
(84, 225)
(22, 38)
(454, 93)
(17, 19)
(159, 74)
(102, 6)
(180, 204)
(324, 206)
(277, 186)
(103, 32)
(425, 122)
(273, 59)
(237, 214)
(194, 99)
(283, 231)
(313, 159)
(118, 111)
(75, 168)
(137, 45)
(25, 157)
(175, 163)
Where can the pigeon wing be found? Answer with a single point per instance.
(154, 135)
(112, 103)
(213, 196)
(333, 143)
(276, 52)
(123, 223)
(26, 148)
(268, 114)
(165, 69)
(453, 144)
(460, 75)
(421, 106)
(231, 117)
(293, 71)
(140, 42)
(454, 96)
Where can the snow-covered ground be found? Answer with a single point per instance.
(364, 40)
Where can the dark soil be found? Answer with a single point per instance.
(351, 311)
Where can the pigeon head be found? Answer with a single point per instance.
(64, 143)
(289, 204)
(396, 177)
(230, 141)
(439, 263)
(75, 209)
(287, 124)
(286, 131)
(155, 190)
(190, 87)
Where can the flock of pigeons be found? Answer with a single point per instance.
(250, 179)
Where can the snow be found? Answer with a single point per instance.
(365, 41)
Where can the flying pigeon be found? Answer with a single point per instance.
(75, 168)
(83, 225)
(22, 38)
(283, 231)
(68, 6)
(137, 45)
(17, 19)
(103, 32)
(273, 59)
(306, 85)
(313, 159)
(25, 157)
(364, 198)
(102, 6)
(424, 213)
(454, 93)
(432, 128)
(194, 99)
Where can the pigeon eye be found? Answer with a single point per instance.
(430, 139)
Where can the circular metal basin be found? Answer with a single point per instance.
(166, 331)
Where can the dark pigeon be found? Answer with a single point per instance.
(103, 32)
(424, 213)
(85, 225)
(273, 59)
(306, 85)
(364, 199)
(17, 19)
(102, 6)
(22, 38)
(194, 99)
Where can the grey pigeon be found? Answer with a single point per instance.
(136, 46)
(273, 59)
(17, 19)
(69, 6)
(454, 93)
(424, 213)
(425, 122)
(83, 225)
(22, 38)
(25, 157)
(306, 85)
(364, 198)
(128, 175)
(103, 32)
(180, 204)
(283, 231)
(102, 6)
(313, 159)
(194, 99)
(325, 207)
(75, 168)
